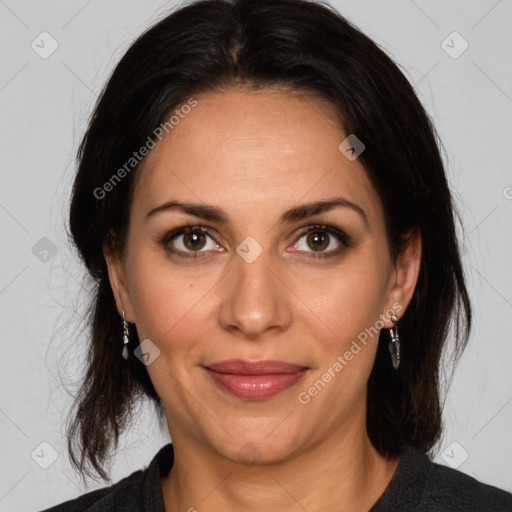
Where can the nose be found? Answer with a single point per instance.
(255, 302)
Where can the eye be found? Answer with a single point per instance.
(319, 238)
(189, 240)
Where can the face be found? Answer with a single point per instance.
(267, 279)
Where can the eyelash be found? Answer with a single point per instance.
(342, 237)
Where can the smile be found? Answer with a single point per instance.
(255, 380)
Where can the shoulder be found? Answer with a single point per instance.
(420, 485)
(127, 490)
(454, 490)
(128, 487)
(131, 494)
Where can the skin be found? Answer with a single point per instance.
(256, 155)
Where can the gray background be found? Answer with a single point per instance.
(44, 105)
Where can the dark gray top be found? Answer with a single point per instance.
(418, 485)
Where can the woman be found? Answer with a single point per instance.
(262, 203)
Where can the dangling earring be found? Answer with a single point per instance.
(394, 344)
(126, 338)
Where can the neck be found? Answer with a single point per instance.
(344, 472)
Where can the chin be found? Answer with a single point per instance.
(257, 446)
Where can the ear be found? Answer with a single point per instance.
(117, 278)
(405, 275)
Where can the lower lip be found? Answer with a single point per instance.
(255, 387)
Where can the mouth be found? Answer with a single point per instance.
(256, 380)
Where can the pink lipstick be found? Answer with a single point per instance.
(255, 380)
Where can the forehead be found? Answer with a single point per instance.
(258, 150)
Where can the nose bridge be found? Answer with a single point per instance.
(254, 300)
(252, 264)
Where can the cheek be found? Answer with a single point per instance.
(168, 304)
(348, 309)
(346, 300)
(345, 329)
(168, 309)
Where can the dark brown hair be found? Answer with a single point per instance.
(300, 46)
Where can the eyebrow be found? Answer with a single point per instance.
(214, 214)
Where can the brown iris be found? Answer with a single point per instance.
(320, 240)
(196, 240)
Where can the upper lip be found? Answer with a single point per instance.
(263, 367)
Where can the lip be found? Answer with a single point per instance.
(255, 380)
(265, 366)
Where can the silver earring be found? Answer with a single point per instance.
(126, 338)
(394, 344)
